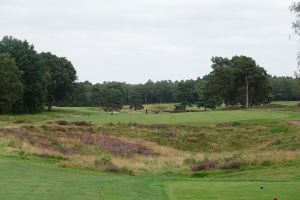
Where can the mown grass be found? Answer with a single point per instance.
(232, 190)
(99, 117)
(32, 179)
(24, 179)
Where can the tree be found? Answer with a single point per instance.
(33, 77)
(211, 97)
(186, 92)
(284, 88)
(135, 101)
(295, 7)
(60, 77)
(108, 98)
(252, 79)
(80, 95)
(11, 86)
(238, 81)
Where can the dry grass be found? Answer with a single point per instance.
(169, 158)
(157, 148)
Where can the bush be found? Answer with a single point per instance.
(205, 165)
(180, 107)
(231, 165)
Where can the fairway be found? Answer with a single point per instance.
(220, 190)
(193, 118)
(189, 118)
(27, 180)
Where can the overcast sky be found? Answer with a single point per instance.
(137, 40)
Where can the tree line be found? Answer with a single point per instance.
(227, 83)
(29, 81)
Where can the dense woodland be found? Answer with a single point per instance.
(191, 91)
(29, 81)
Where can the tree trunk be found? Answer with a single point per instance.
(49, 105)
(247, 93)
(251, 101)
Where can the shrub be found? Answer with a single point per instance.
(205, 165)
(180, 107)
(231, 165)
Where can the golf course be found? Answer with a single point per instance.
(221, 154)
(150, 100)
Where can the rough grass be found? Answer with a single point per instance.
(147, 148)
(227, 137)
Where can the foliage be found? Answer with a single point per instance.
(33, 77)
(186, 92)
(237, 81)
(11, 87)
(107, 97)
(44, 78)
(60, 74)
(284, 88)
(135, 101)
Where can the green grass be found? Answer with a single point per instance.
(286, 103)
(194, 118)
(32, 179)
(28, 180)
(232, 190)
